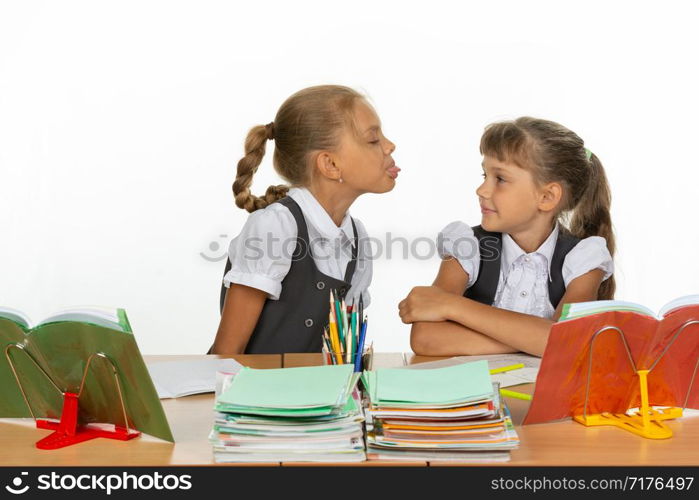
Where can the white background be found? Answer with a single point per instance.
(121, 124)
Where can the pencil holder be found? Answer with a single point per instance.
(361, 361)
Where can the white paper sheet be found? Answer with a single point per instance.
(524, 375)
(173, 379)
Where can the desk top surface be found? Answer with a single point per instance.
(191, 418)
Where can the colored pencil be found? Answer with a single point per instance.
(334, 336)
(354, 331)
(517, 395)
(338, 313)
(361, 306)
(506, 368)
(343, 311)
(351, 345)
(360, 346)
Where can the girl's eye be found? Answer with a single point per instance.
(501, 180)
(374, 142)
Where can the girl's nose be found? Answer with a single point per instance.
(389, 147)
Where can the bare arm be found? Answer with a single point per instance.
(447, 338)
(523, 332)
(241, 310)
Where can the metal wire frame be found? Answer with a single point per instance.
(100, 355)
(631, 361)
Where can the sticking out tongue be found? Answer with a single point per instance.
(393, 172)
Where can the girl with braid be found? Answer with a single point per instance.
(545, 239)
(300, 241)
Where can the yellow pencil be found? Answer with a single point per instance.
(332, 320)
(335, 339)
(516, 395)
(506, 368)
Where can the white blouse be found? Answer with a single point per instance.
(523, 284)
(261, 254)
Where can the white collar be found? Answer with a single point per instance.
(511, 251)
(316, 215)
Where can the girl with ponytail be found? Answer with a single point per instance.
(300, 241)
(545, 239)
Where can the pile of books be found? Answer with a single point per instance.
(307, 414)
(453, 413)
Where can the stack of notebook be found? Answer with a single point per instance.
(452, 413)
(308, 414)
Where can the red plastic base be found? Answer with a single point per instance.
(68, 432)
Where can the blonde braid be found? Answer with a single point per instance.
(255, 146)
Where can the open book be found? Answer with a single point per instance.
(50, 357)
(605, 343)
(108, 318)
(580, 309)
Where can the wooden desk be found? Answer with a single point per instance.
(191, 419)
(380, 359)
(569, 443)
(558, 444)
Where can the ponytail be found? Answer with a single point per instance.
(247, 167)
(591, 217)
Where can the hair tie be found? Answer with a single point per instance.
(269, 129)
(588, 154)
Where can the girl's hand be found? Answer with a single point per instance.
(425, 303)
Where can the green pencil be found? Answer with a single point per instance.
(340, 325)
(353, 330)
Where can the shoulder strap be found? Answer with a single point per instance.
(295, 210)
(222, 297)
(301, 245)
(490, 246)
(289, 203)
(352, 264)
(564, 244)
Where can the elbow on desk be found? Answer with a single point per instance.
(435, 339)
(418, 340)
(423, 342)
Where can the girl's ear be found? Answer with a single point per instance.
(325, 165)
(550, 196)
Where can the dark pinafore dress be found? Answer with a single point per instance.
(295, 322)
(490, 246)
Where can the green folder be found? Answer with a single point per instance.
(62, 347)
(293, 391)
(298, 415)
(462, 383)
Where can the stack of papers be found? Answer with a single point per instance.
(308, 414)
(450, 413)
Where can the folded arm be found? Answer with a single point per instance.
(505, 331)
(447, 338)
